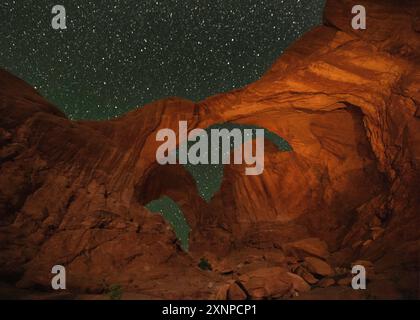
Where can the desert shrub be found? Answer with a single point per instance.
(204, 264)
(115, 292)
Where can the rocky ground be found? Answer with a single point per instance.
(348, 102)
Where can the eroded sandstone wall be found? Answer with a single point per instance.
(348, 102)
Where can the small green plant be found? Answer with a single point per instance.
(115, 292)
(204, 264)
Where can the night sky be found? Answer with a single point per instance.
(118, 55)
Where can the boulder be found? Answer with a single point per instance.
(272, 283)
(318, 267)
(307, 247)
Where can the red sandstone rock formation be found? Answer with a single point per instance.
(347, 101)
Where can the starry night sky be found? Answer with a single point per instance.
(118, 55)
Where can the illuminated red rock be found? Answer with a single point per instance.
(348, 102)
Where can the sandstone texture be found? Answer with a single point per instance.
(348, 102)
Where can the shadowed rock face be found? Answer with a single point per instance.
(348, 102)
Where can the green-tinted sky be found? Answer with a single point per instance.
(174, 215)
(116, 55)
